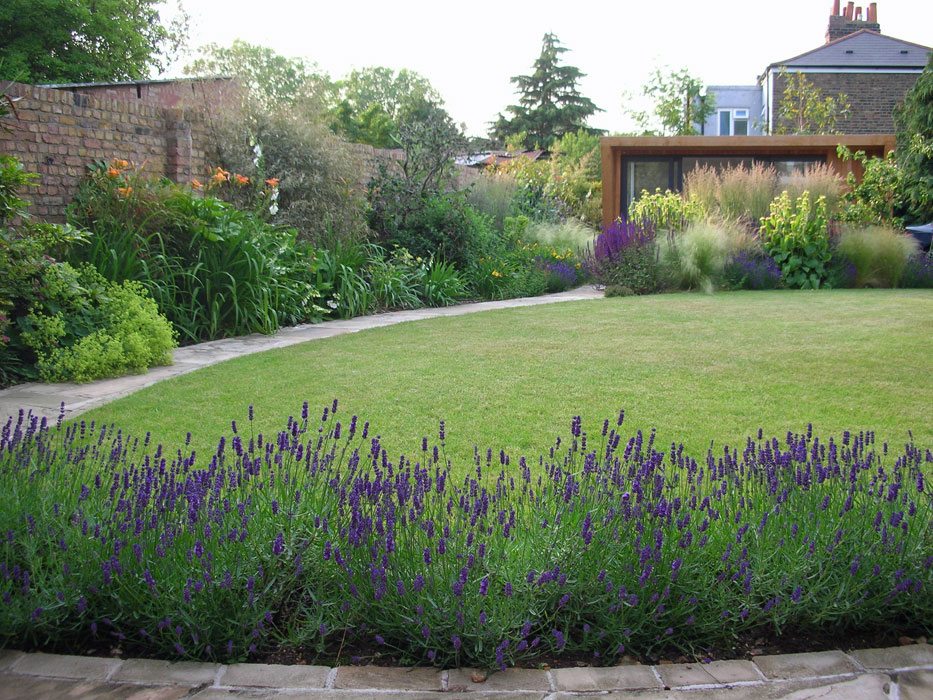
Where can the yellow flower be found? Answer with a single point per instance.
(496, 273)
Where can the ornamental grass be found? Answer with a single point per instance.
(315, 537)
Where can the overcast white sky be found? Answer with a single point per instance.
(469, 50)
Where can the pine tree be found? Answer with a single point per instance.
(549, 103)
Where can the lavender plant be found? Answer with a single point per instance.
(625, 254)
(315, 537)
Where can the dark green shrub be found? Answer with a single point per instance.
(318, 174)
(617, 290)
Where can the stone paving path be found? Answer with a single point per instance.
(900, 673)
(46, 399)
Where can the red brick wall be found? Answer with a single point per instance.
(872, 96)
(167, 93)
(58, 133)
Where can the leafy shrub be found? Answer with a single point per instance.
(625, 254)
(318, 174)
(878, 197)
(440, 284)
(393, 278)
(694, 258)
(26, 250)
(86, 328)
(298, 539)
(820, 180)
(795, 236)
(212, 269)
(747, 269)
(617, 290)
(339, 275)
(666, 211)
(880, 255)
(919, 272)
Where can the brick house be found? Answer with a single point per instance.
(874, 71)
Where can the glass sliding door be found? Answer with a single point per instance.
(649, 174)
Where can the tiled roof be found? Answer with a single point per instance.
(862, 49)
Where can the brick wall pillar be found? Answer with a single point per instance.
(177, 146)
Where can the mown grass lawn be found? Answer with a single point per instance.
(699, 368)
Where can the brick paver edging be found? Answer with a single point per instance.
(899, 673)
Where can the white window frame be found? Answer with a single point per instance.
(741, 113)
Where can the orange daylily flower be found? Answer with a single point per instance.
(273, 182)
(241, 179)
(196, 185)
(124, 191)
(113, 172)
(120, 164)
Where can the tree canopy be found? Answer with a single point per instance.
(62, 41)
(679, 104)
(549, 103)
(375, 102)
(914, 119)
(271, 79)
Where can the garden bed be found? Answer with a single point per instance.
(312, 540)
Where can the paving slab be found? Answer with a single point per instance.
(220, 694)
(630, 677)
(909, 656)
(59, 666)
(274, 676)
(189, 673)
(381, 678)
(867, 687)
(461, 680)
(20, 688)
(807, 665)
(736, 671)
(8, 657)
(677, 675)
(915, 685)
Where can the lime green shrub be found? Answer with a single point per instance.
(87, 328)
(880, 254)
(667, 210)
(795, 236)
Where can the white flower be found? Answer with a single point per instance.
(274, 209)
(331, 303)
(257, 149)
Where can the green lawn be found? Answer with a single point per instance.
(698, 368)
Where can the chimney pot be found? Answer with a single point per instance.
(873, 12)
(836, 8)
(850, 11)
(858, 14)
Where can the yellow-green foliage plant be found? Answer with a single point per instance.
(879, 254)
(666, 211)
(745, 193)
(795, 236)
(820, 180)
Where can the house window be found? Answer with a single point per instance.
(733, 122)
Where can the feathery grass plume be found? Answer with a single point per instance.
(819, 179)
(702, 184)
(880, 254)
(492, 194)
(566, 234)
(694, 258)
(745, 193)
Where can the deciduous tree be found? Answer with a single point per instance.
(914, 119)
(679, 104)
(804, 110)
(61, 41)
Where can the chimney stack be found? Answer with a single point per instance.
(851, 20)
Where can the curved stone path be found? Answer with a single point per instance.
(46, 399)
(900, 673)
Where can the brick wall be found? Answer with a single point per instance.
(872, 96)
(179, 93)
(58, 133)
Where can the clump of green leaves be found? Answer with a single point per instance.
(878, 197)
(86, 328)
(667, 211)
(795, 236)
